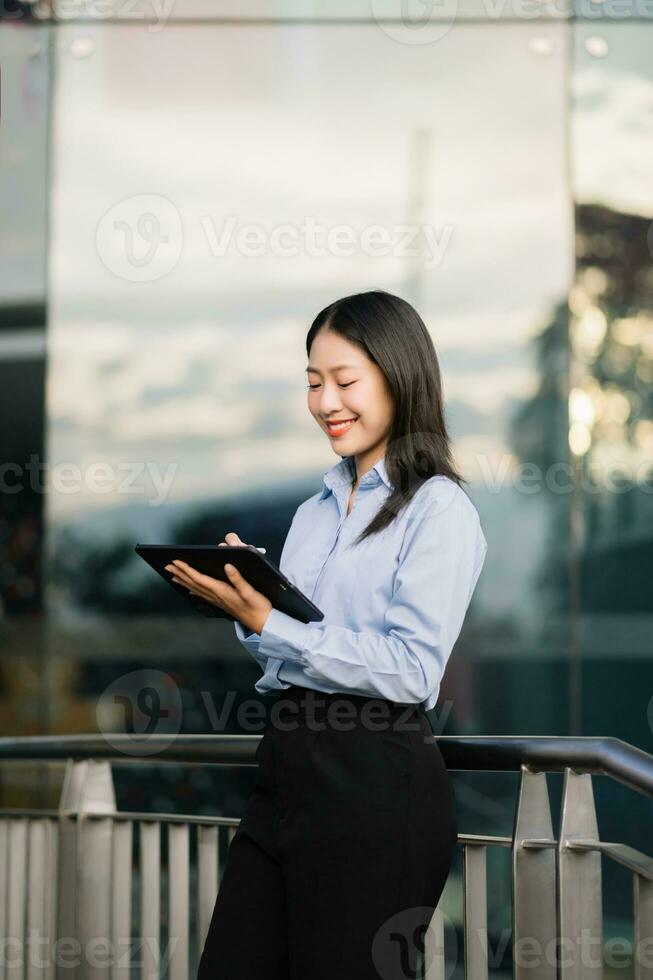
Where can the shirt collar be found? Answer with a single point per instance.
(342, 474)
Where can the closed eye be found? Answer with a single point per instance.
(313, 387)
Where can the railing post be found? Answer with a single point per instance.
(17, 894)
(41, 898)
(208, 870)
(475, 911)
(178, 900)
(533, 882)
(4, 887)
(580, 926)
(121, 898)
(84, 879)
(434, 959)
(150, 875)
(643, 926)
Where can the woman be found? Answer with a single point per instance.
(342, 854)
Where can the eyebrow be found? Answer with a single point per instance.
(337, 368)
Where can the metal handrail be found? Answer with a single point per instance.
(613, 757)
(76, 870)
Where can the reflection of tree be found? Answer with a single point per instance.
(611, 337)
(613, 343)
(21, 447)
(615, 294)
(538, 436)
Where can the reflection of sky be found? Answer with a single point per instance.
(204, 367)
(23, 157)
(613, 122)
(202, 370)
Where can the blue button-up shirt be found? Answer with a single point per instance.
(393, 605)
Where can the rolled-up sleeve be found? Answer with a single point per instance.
(441, 559)
(251, 641)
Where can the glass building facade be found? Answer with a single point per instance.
(181, 193)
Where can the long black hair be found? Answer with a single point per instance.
(393, 335)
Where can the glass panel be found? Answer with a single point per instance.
(611, 405)
(195, 234)
(25, 60)
(214, 185)
(612, 338)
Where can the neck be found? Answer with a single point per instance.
(365, 461)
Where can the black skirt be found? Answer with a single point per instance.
(344, 848)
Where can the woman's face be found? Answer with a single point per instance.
(345, 384)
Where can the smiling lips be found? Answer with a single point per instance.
(340, 427)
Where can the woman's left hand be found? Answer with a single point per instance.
(237, 597)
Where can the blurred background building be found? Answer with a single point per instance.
(174, 185)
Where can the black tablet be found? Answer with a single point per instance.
(210, 559)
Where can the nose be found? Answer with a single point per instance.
(330, 400)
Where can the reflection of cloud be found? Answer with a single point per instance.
(196, 415)
(233, 413)
(485, 460)
(262, 157)
(470, 334)
(613, 129)
(152, 385)
(206, 366)
(489, 390)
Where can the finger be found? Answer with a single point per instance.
(197, 582)
(210, 595)
(187, 571)
(203, 585)
(211, 588)
(184, 585)
(182, 578)
(241, 585)
(216, 592)
(232, 538)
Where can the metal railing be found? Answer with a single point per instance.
(66, 875)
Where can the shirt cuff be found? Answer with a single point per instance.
(243, 635)
(284, 637)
